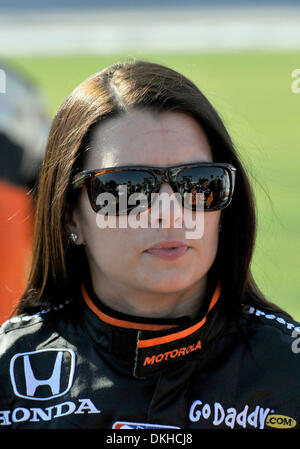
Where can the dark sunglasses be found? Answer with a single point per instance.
(213, 181)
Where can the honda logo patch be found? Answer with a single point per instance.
(43, 374)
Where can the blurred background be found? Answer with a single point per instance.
(240, 54)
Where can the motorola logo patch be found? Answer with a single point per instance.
(43, 374)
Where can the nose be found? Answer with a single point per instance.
(166, 188)
(166, 208)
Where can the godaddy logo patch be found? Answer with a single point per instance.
(217, 415)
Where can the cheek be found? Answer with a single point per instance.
(205, 248)
(106, 248)
(210, 238)
(110, 249)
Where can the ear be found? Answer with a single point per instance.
(72, 223)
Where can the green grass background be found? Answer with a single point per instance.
(252, 92)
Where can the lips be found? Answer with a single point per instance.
(169, 244)
(168, 249)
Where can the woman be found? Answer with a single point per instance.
(115, 330)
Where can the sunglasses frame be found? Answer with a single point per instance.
(161, 174)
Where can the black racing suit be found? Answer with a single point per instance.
(111, 371)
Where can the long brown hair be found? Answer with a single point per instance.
(57, 264)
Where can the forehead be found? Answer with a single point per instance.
(141, 137)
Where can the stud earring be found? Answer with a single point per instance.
(73, 237)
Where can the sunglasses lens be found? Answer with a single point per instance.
(209, 187)
(117, 193)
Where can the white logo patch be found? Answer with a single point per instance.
(43, 374)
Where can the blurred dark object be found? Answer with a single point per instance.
(10, 160)
(24, 126)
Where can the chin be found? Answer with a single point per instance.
(169, 285)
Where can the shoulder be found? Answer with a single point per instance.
(270, 323)
(28, 343)
(28, 331)
(273, 340)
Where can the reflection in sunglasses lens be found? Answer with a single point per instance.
(212, 184)
(205, 186)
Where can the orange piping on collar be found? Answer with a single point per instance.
(122, 323)
(184, 333)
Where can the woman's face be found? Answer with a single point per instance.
(118, 257)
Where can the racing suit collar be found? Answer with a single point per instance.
(146, 345)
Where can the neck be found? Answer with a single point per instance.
(152, 304)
